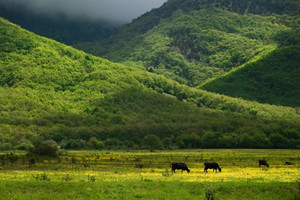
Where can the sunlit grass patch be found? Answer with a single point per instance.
(237, 165)
(147, 175)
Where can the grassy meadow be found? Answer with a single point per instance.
(147, 175)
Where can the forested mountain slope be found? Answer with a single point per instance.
(192, 41)
(273, 79)
(50, 91)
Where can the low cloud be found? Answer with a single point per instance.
(120, 11)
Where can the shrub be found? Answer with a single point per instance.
(45, 149)
(67, 178)
(192, 140)
(152, 141)
(260, 140)
(210, 193)
(73, 144)
(91, 178)
(24, 145)
(95, 143)
(209, 139)
(278, 141)
(41, 177)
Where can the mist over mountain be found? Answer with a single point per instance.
(73, 21)
(114, 11)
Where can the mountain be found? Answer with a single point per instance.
(273, 79)
(60, 27)
(192, 41)
(50, 91)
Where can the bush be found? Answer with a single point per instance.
(5, 146)
(278, 141)
(152, 141)
(260, 140)
(209, 140)
(44, 149)
(95, 143)
(91, 178)
(167, 142)
(67, 178)
(246, 140)
(24, 145)
(73, 144)
(192, 140)
(41, 177)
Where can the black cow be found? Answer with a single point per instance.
(212, 165)
(263, 162)
(288, 163)
(181, 166)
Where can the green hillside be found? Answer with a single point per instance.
(192, 41)
(50, 91)
(273, 79)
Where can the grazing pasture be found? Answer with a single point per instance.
(147, 175)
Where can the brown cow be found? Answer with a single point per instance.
(263, 162)
(288, 163)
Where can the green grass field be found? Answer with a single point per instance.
(147, 175)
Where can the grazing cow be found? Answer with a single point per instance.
(288, 163)
(212, 165)
(181, 166)
(263, 162)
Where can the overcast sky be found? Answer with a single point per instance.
(121, 11)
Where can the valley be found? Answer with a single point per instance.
(95, 110)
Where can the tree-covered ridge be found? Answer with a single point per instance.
(50, 91)
(260, 7)
(274, 79)
(193, 41)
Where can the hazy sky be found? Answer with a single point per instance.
(112, 10)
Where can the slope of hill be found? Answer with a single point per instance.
(50, 91)
(192, 41)
(274, 79)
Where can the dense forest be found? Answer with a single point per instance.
(273, 79)
(193, 41)
(55, 94)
